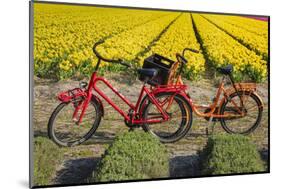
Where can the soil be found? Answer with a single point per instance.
(81, 161)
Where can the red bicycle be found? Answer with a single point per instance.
(161, 108)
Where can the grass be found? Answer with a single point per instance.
(47, 156)
(79, 152)
(133, 155)
(228, 154)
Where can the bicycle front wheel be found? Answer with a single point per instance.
(252, 107)
(180, 117)
(65, 131)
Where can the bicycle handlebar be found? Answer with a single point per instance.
(189, 49)
(181, 58)
(119, 61)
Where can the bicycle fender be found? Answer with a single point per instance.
(225, 98)
(97, 100)
(260, 99)
(185, 97)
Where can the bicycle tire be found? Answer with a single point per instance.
(51, 125)
(185, 124)
(258, 119)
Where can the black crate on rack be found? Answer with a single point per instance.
(162, 64)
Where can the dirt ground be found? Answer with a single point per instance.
(80, 161)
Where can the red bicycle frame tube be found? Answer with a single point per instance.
(150, 93)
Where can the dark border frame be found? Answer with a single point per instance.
(31, 85)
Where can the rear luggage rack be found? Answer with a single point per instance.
(246, 86)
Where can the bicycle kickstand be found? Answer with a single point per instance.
(211, 124)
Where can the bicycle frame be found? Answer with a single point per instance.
(132, 119)
(133, 116)
(214, 108)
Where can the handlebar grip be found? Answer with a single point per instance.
(189, 49)
(124, 64)
(194, 50)
(119, 61)
(180, 58)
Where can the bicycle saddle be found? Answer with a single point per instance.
(226, 69)
(148, 72)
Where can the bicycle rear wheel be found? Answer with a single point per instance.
(244, 124)
(65, 131)
(180, 117)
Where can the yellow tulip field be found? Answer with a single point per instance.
(64, 36)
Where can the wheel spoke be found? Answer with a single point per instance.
(172, 128)
(66, 131)
(243, 124)
(252, 116)
(252, 107)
